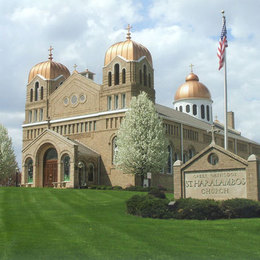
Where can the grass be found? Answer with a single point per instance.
(92, 224)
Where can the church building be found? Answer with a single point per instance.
(69, 132)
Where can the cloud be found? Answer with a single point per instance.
(177, 33)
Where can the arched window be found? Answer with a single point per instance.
(185, 157)
(29, 168)
(30, 116)
(41, 114)
(176, 108)
(115, 149)
(145, 76)
(188, 108)
(31, 95)
(149, 81)
(169, 164)
(36, 91)
(208, 113)
(191, 153)
(202, 111)
(109, 79)
(41, 93)
(123, 101)
(181, 108)
(176, 156)
(66, 168)
(123, 76)
(109, 103)
(91, 172)
(194, 108)
(140, 76)
(116, 74)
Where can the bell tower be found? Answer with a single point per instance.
(128, 70)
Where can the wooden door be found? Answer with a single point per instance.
(50, 173)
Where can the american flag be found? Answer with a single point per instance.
(222, 45)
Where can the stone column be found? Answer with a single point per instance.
(177, 183)
(252, 179)
(34, 174)
(24, 172)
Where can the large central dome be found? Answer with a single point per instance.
(129, 50)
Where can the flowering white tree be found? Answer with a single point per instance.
(8, 162)
(141, 142)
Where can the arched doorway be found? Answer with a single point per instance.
(50, 167)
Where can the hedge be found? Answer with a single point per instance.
(154, 207)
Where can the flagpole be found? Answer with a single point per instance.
(225, 95)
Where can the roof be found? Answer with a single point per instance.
(183, 118)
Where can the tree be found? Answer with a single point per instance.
(141, 142)
(8, 162)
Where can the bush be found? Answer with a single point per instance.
(93, 187)
(153, 207)
(133, 204)
(148, 206)
(197, 209)
(241, 208)
(117, 188)
(137, 188)
(157, 193)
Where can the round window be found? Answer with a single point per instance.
(66, 101)
(82, 98)
(213, 159)
(74, 100)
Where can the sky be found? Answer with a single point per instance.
(176, 32)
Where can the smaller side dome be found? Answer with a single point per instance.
(192, 89)
(49, 69)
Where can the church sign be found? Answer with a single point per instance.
(216, 173)
(216, 184)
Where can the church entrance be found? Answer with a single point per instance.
(50, 168)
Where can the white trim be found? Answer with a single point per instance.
(43, 78)
(141, 58)
(77, 117)
(36, 123)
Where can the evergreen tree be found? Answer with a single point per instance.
(8, 162)
(141, 142)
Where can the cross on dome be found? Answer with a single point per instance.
(75, 66)
(128, 28)
(50, 54)
(191, 67)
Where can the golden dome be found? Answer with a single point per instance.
(129, 50)
(49, 69)
(192, 89)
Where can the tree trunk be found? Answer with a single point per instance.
(142, 180)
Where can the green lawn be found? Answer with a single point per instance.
(92, 224)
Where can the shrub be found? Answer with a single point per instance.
(241, 208)
(152, 207)
(93, 187)
(157, 193)
(197, 209)
(117, 188)
(133, 204)
(137, 188)
(148, 206)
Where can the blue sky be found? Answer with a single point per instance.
(177, 33)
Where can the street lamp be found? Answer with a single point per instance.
(80, 166)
